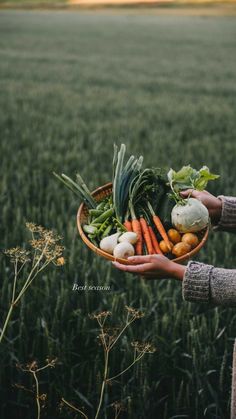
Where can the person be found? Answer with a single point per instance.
(200, 282)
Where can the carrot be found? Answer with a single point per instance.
(136, 226)
(159, 226)
(128, 225)
(155, 244)
(146, 235)
(161, 230)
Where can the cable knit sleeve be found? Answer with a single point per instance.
(228, 214)
(204, 283)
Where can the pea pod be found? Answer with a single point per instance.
(107, 231)
(103, 227)
(119, 225)
(89, 229)
(104, 216)
(95, 212)
(107, 206)
(101, 205)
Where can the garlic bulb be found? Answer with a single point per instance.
(123, 250)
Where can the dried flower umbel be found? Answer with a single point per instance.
(32, 368)
(45, 249)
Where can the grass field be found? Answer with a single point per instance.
(71, 85)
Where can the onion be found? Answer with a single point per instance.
(123, 250)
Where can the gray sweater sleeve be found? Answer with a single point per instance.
(205, 283)
(228, 215)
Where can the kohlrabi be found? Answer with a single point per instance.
(189, 215)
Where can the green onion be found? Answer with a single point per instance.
(123, 175)
(79, 188)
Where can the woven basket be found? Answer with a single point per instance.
(101, 193)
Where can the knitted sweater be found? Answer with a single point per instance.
(205, 283)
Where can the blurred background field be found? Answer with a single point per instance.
(202, 7)
(71, 85)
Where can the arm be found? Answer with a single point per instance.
(204, 283)
(227, 221)
(201, 283)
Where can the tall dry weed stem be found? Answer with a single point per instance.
(45, 250)
(109, 337)
(33, 369)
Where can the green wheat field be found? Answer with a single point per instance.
(72, 84)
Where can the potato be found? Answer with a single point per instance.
(174, 235)
(191, 239)
(181, 249)
(164, 247)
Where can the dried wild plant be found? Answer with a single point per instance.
(33, 369)
(108, 337)
(45, 250)
(109, 340)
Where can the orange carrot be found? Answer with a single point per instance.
(159, 226)
(137, 229)
(128, 225)
(155, 244)
(146, 235)
(161, 230)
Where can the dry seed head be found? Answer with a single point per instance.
(17, 254)
(118, 406)
(49, 248)
(143, 347)
(134, 313)
(43, 397)
(51, 362)
(60, 261)
(100, 315)
(34, 228)
(33, 366)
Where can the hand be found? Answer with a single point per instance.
(213, 204)
(153, 266)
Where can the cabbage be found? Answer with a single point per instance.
(191, 217)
